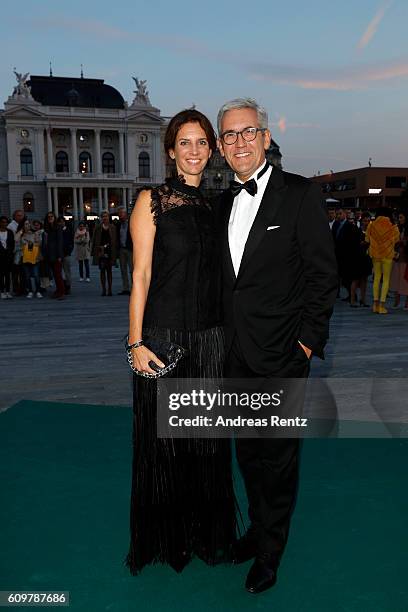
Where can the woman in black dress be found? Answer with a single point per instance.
(182, 500)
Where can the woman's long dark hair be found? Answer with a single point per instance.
(50, 226)
(190, 115)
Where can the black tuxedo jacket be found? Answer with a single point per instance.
(9, 250)
(287, 282)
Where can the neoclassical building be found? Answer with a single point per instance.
(74, 146)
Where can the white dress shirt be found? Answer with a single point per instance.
(3, 239)
(243, 214)
(13, 225)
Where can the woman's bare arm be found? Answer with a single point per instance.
(143, 231)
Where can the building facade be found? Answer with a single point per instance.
(364, 188)
(76, 147)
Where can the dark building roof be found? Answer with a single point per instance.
(65, 91)
(275, 147)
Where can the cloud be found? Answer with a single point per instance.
(336, 78)
(282, 124)
(90, 27)
(339, 79)
(100, 30)
(373, 25)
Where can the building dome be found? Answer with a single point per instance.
(72, 97)
(62, 91)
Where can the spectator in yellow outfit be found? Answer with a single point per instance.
(382, 235)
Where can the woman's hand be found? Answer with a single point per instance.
(141, 357)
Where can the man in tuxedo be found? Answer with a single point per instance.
(279, 287)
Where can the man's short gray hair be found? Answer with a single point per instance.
(238, 103)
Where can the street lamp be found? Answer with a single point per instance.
(218, 180)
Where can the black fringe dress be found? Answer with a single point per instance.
(182, 499)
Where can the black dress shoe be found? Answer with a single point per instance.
(244, 549)
(124, 292)
(262, 574)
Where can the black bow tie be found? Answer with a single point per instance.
(250, 186)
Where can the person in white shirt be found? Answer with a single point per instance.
(6, 257)
(17, 274)
(279, 284)
(332, 217)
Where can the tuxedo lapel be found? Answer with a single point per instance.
(270, 204)
(226, 254)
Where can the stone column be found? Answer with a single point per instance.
(100, 201)
(41, 169)
(131, 154)
(121, 152)
(124, 198)
(97, 151)
(81, 202)
(50, 153)
(105, 198)
(49, 196)
(56, 213)
(74, 152)
(159, 170)
(75, 203)
(14, 167)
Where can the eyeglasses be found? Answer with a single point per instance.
(248, 134)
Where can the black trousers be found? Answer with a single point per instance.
(6, 263)
(269, 466)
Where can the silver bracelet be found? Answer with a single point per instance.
(129, 347)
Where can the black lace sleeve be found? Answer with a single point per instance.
(174, 194)
(156, 203)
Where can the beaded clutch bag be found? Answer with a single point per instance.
(168, 352)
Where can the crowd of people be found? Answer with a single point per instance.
(35, 255)
(374, 245)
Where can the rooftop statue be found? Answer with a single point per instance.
(142, 95)
(22, 89)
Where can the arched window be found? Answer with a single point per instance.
(26, 162)
(85, 162)
(144, 165)
(61, 162)
(108, 163)
(28, 202)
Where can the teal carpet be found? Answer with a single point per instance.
(65, 482)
